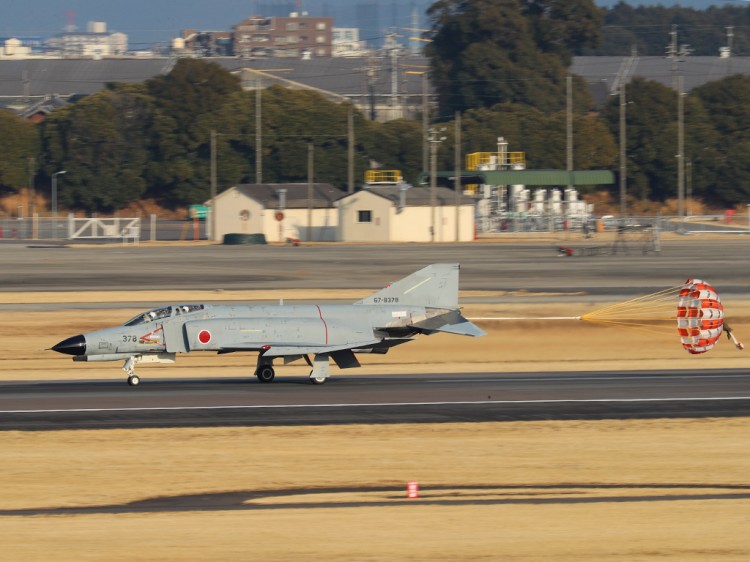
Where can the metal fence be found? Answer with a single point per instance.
(93, 229)
(589, 225)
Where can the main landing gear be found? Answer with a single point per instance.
(319, 375)
(265, 373)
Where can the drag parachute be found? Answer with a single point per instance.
(699, 315)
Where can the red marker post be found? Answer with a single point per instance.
(412, 490)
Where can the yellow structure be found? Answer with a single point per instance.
(383, 177)
(493, 161)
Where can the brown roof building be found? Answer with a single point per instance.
(293, 36)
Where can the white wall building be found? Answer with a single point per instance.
(257, 208)
(346, 43)
(95, 42)
(392, 214)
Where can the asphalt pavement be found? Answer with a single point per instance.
(385, 399)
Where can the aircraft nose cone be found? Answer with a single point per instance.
(72, 346)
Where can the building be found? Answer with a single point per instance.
(204, 43)
(346, 43)
(95, 42)
(279, 211)
(298, 35)
(395, 214)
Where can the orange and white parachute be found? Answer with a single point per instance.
(700, 315)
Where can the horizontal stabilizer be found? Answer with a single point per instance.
(452, 323)
(463, 329)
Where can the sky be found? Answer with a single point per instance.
(157, 21)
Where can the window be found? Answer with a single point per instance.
(364, 216)
(291, 27)
(320, 25)
(320, 39)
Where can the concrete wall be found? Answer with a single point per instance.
(413, 224)
(229, 205)
(232, 206)
(324, 228)
(350, 230)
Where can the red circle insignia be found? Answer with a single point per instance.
(204, 336)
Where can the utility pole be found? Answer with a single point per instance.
(623, 155)
(32, 189)
(569, 122)
(672, 54)
(258, 134)
(310, 153)
(425, 123)
(457, 174)
(730, 37)
(434, 142)
(371, 88)
(350, 152)
(54, 202)
(568, 139)
(213, 186)
(680, 148)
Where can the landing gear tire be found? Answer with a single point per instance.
(265, 373)
(318, 380)
(134, 380)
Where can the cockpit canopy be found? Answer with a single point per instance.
(163, 312)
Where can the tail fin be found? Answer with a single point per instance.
(434, 286)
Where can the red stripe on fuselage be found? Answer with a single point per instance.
(324, 322)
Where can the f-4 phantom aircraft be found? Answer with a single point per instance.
(425, 302)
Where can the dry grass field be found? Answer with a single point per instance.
(674, 490)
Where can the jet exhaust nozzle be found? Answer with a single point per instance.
(72, 346)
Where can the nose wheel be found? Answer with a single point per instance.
(129, 368)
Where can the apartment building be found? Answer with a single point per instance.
(293, 36)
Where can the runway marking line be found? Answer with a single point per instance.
(605, 378)
(300, 406)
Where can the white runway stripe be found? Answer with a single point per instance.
(385, 404)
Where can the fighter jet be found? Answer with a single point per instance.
(425, 302)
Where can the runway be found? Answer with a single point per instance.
(385, 399)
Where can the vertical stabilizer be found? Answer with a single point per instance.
(434, 286)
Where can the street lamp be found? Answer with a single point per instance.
(54, 202)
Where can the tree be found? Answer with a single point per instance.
(485, 52)
(185, 99)
(397, 145)
(648, 27)
(18, 142)
(100, 142)
(723, 155)
(541, 136)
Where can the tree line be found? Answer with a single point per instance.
(501, 64)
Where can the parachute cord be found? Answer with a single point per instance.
(639, 306)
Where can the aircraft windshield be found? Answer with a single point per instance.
(150, 316)
(163, 312)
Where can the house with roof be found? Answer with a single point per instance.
(405, 214)
(279, 211)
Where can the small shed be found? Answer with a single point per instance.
(395, 214)
(280, 211)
